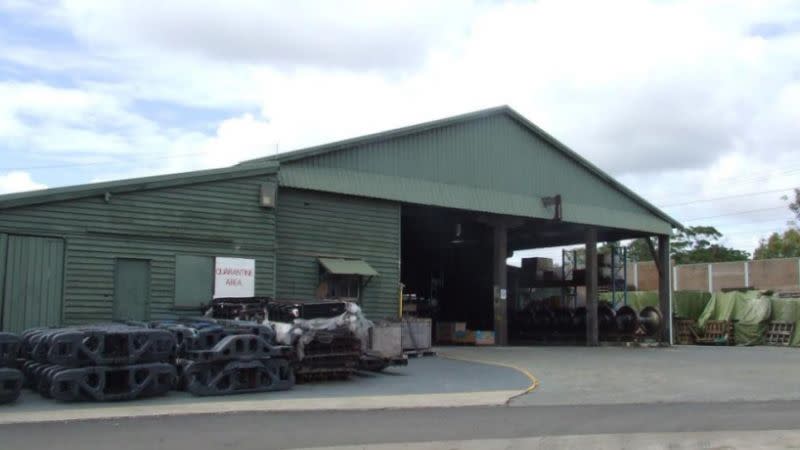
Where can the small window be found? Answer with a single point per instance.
(343, 278)
(194, 280)
(344, 286)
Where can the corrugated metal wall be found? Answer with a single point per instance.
(32, 292)
(492, 164)
(312, 224)
(220, 218)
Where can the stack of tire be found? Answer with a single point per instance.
(222, 357)
(104, 362)
(10, 377)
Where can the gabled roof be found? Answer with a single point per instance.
(289, 157)
(134, 184)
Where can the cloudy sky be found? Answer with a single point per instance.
(696, 105)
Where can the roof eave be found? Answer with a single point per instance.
(133, 184)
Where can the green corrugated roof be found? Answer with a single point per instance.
(134, 184)
(341, 266)
(289, 157)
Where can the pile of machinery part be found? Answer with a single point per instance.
(101, 362)
(221, 357)
(10, 377)
(329, 337)
(546, 323)
(253, 309)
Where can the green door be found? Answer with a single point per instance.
(131, 289)
(33, 283)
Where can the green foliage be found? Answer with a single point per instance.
(794, 205)
(698, 244)
(639, 251)
(786, 245)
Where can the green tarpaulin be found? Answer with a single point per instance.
(750, 310)
(636, 299)
(689, 304)
(787, 310)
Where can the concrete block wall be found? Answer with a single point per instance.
(776, 274)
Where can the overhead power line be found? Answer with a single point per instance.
(734, 213)
(761, 232)
(746, 194)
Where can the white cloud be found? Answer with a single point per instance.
(681, 100)
(357, 34)
(18, 181)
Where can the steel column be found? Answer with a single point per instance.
(664, 292)
(500, 284)
(592, 331)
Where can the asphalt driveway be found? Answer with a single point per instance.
(425, 382)
(616, 375)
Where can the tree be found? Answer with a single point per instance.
(786, 245)
(698, 244)
(794, 205)
(638, 250)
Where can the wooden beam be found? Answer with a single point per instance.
(592, 330)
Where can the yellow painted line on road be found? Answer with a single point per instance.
(534, 381)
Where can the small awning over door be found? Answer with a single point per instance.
(342, 266)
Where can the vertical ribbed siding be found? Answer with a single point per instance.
(219, 218)
(312, 224)
(492, 161)
(34, 280)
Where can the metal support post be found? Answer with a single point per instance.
(592, 331)
(500, 284)
(664, 292)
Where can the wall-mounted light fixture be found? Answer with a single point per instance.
(556, 202)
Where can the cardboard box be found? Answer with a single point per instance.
(483, 337)
(446, 331)
(464, 337)
(533, 270)
(535, 264)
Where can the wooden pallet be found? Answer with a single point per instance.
(685, 331)
(779, 333)
(717, 332)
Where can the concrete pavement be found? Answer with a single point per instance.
(781, 439)
(365, 429)
(424, 383)
(615, 375)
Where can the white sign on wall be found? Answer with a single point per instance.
(234, 277)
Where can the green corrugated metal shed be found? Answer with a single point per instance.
(206, 213)
(493, 161)
(317, 224)
(341, 200)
